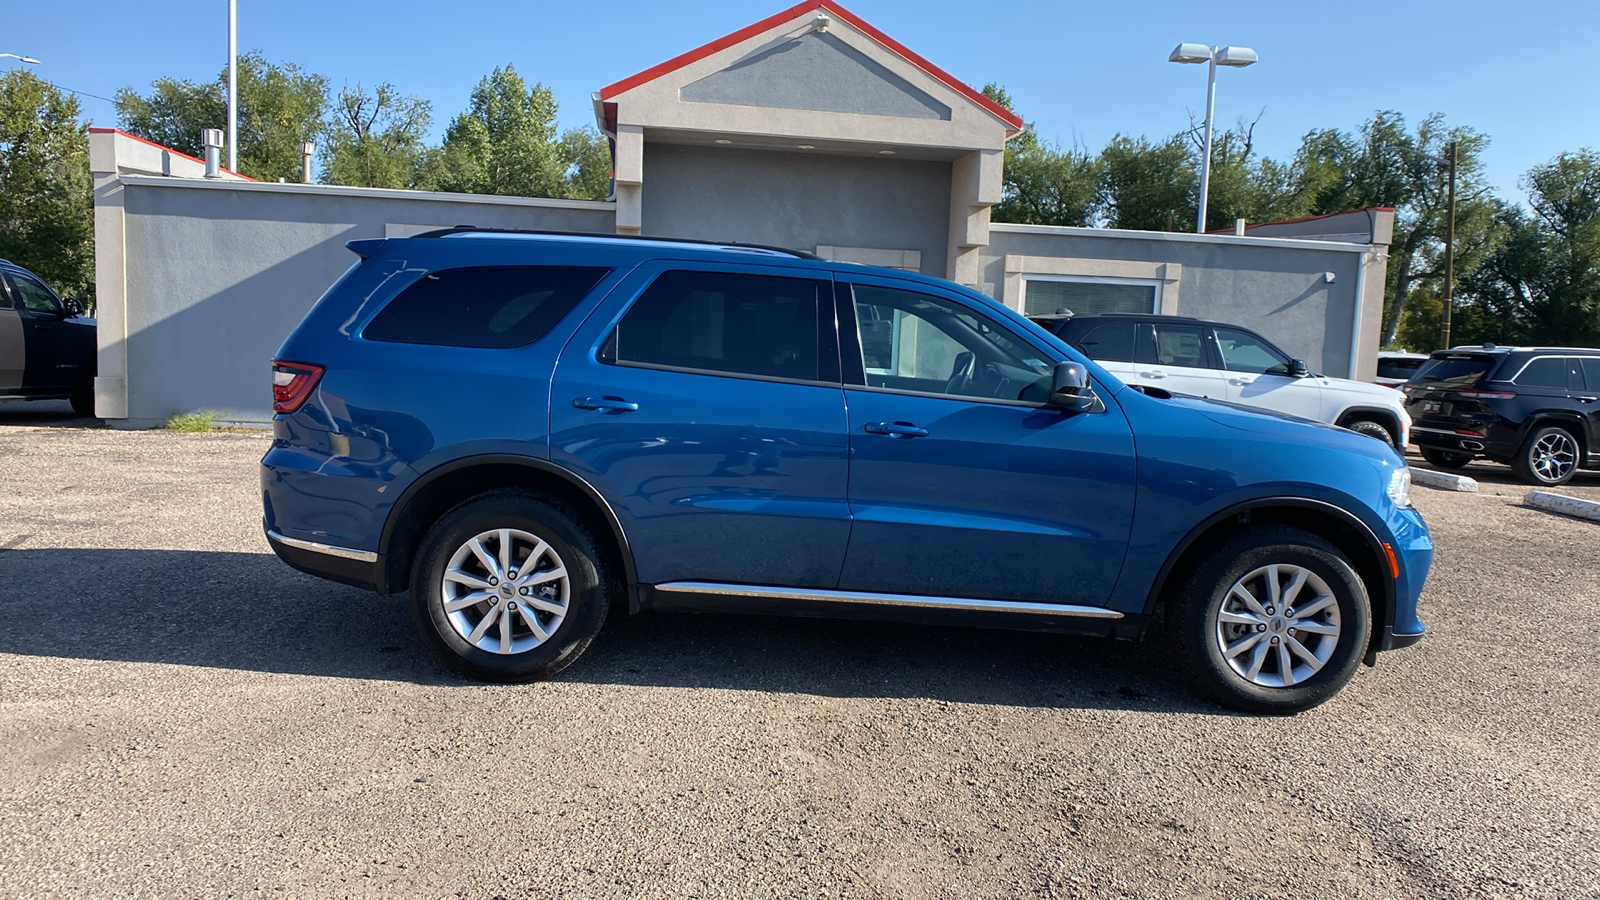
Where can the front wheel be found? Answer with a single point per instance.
(1274, 620)
(508, 587)
(1549, 457)
(1372, 430)
(1444, 459)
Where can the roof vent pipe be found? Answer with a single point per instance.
(212, 139)
(1238, 227)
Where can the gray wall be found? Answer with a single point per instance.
(217, 278)
(796, 200)
(1280, 292)
(815, 71)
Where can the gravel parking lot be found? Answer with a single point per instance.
(181, 715)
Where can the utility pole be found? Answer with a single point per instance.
(233, 85)
(1449, 257)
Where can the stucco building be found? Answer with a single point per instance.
(808, 129)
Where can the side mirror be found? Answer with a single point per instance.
(1297, 368)
(1069, 389)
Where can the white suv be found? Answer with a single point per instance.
(1228, 362)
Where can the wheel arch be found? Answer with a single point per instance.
(1340, 527)
(1385, 417)
(1572, 423)
(448, 484)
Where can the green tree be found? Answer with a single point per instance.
(45, 195)
(505, 143)
(1541, 284)
(1149, 186)
(585, 155)
(376, 139)
(1385, 164)
(279, 106)
(1044, 185)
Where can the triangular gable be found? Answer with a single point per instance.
(727, 86)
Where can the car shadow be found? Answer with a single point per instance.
(248, 611)
(44, 414)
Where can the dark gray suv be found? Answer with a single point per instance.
(47, 346)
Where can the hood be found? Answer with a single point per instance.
(1291, 428)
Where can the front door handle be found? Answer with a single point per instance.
(1153, 373)
(1241, 381)
(895, 429)
(606, 404)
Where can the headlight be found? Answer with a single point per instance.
(1400, 487)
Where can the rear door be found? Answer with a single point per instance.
(12, 344)
(1589, 400)
(704, 402)
(1178, 357)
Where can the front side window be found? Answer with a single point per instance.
(1172, 345)
(759, 325)
(918, 342)
(35, 296)
(490, 307)
(1244, 352)
(1591, 373)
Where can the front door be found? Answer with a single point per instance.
(962, 482)
(1258, 375)
(53, 363)
(705, 404)
(12, 343)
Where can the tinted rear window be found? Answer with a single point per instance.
(722, 322)
(1399, 368)
(1591, 373)
(493, 307)
(1545, 371)
(1454, 371)
(1108, 343)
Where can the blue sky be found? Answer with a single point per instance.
(1523, 72)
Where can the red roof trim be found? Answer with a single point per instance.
(1011, 120)
(135, 137)
(1305, 219)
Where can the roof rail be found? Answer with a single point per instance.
(736, 245)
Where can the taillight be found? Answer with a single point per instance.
(1489, 395)
(292, 383)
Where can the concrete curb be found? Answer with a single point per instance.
(1444, 481)
(1561, 503)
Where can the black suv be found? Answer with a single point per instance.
(47, 347)
(1537, 408)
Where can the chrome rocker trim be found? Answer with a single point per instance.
(873, 599)
(365, 556)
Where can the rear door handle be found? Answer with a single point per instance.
(1153, 373)
(895, 429)
(606, 404)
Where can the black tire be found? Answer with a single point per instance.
(83, 401)
(1372, 430)
(587, 596)
(1444, 459)
(1549, 457)
(1202, 597)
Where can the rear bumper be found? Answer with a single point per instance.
(1392, 641)
(352, 567)
(1424, 436)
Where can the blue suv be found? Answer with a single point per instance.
(525, 430)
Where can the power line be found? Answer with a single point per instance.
(71, 91)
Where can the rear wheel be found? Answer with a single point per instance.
(1549, 457)
(1444, 459)
(508, 587)
(1372, 430)
(1274, 620)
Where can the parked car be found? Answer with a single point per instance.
(47, 346)
(524, 429)
(1395, 367)
(1537, 408)
(1232, 363)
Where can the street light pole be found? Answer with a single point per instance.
(233, 86)
(1449, 257)
(26, 59)
(1205, 160)
(1233, 57)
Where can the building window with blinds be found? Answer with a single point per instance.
(1044, 295)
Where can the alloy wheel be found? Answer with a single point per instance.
(1278, 625)
(505, 591)
(1553, 456)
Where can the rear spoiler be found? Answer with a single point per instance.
(365, 248)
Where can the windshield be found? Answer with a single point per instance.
(1454, 371)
